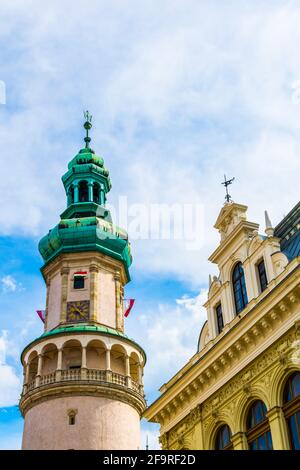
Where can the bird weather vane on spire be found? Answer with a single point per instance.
(226, 183)
(87, 125)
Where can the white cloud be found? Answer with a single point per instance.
(9, 284)
(170, 337)
(199, 90)
(10, 383)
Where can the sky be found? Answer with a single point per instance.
(181, 93)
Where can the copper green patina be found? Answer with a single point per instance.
(86, 223)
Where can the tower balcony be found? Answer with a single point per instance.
(82, 364)
(83, 376)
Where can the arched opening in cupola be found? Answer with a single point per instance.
(96, 193)
(83, 191)
(71, 194)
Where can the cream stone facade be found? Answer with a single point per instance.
(233, 393)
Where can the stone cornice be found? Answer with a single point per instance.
(96, 259)
(58, 390)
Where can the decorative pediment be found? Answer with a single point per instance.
(230, 216)
(214, 287)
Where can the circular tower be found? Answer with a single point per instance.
(83, 376)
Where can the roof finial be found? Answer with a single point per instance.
(269, 229)
(87, 125)
(147, 443)
(226, 183)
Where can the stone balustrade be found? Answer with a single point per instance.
(83, 375)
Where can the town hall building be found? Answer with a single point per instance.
(241, 389)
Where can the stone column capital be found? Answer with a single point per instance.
(239, 441)
(64, 270)
(94, 268)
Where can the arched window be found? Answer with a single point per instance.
(239, 288)
(223, 438)
(83, 191)
(291, 398)
(71, 194)
(96, 193)
(258, 429)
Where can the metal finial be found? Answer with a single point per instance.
(226, 183)
(87, 125)
(147, 443)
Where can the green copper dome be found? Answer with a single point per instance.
(86, 223)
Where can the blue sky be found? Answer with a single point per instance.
(181, 92)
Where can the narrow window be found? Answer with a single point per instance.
(262, 275)
(71, 420)
(71, 194)
(78, 282)
(239, 288)
(96, 193)
(219, 315)
(83, 191)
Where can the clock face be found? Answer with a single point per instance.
(78, 311)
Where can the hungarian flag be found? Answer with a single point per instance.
(41, 314)
(128, 304)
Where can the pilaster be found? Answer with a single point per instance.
(64, 292)
(239, 441)
(278, 429)
(119, 313)
(94, 292)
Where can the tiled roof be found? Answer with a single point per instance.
(288, 230)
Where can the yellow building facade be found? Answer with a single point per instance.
(241, 390)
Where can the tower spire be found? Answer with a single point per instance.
(87, 125)
(226, 183)
(269, 229)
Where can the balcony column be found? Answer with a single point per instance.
(140, 379)
(76, 193)
(127, 371)
(90, 186)
(26, 377)
(102, 195)
(39, 370)
(58, 366)
(83, 363)
(108, 366)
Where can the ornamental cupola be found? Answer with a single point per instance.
(86, 182)
(86, 223)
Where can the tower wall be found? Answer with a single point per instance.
(100, 423)
(103, 288)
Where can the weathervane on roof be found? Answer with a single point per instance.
(226, 183)
(87, 125)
